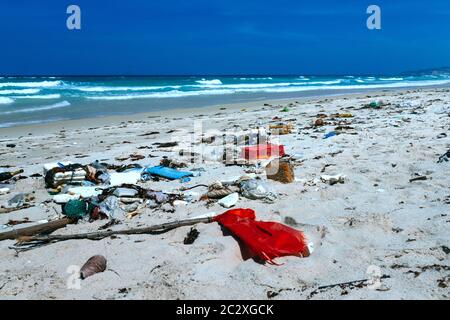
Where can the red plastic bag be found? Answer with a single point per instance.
(266, 240)
(262, 151)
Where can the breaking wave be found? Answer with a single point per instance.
(58, 105)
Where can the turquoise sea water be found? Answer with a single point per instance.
(25, 100)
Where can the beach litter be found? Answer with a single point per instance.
(262, 151)
(78, 209)
(281, 129)
(265, 240)
(131, 176)
(191, 236)
(330, 134)
(445, 157)
(280, 170)
(4, 176)
(164, 172)
(229, 201)
(256, 189)
(332, 180)
(65, 174)
(64, 198)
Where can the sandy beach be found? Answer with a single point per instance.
(389, 216)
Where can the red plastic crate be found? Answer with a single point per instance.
(262, 151)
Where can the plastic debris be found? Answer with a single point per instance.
(85, 192)
(8, 175)
(64, 198)
(331, 180)
(264, 240)
(168, 173)
(262, 151)
(125, 192)
(77, 209)
(257, 189)
(129, 177)
(110, 207)
(329, 134)
(229, 201)
(281, 129)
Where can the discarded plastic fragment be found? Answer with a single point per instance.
(64, 198)
(265, 240)
(49, 166)
(164, 172)
(331, 180)
(128, 177)
(85, 192)
(257, 189)
(262, 151)
(95, 264)
(77, 209)
(329, 134)
(125, 192)
(229, 201)
(110, 207)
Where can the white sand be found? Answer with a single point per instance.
(376, 218)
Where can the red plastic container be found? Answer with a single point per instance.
(262, 151)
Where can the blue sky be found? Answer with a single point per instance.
(136, 37)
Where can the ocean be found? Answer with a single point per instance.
(30, 100)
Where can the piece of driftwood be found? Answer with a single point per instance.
(349, 283)
(8, 210)
(157, 229)
(35, 229)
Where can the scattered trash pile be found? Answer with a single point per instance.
(244, 147)
(227, 193)
(101, 190)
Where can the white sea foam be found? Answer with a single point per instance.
(391, 79)
(19, 91)
(168, 94)
(40, 84)
(264, 78)
(106, 89)
(4, 100)
(44, 96)
(21, 123)
(209, 82)
(57, 105)
(268, 85)
(268, 88)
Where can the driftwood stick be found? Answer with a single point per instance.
(8, 210)
(103, 234)
(35, 229)
(349, 283)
